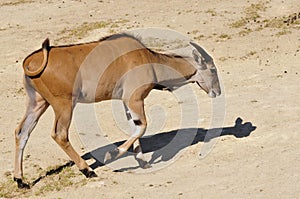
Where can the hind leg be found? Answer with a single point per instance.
(63, 116)
(36, 106)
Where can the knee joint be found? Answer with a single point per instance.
(59, 137)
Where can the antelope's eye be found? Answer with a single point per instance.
(203, 62)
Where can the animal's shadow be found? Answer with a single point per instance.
(166, 145)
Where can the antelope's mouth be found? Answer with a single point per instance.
(211, 92)
(203, 87)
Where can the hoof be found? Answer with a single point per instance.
(21, 184)
(111, 156)
(88, 173)
(143, 164)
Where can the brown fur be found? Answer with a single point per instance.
(115, 67)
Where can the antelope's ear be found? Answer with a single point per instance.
(199, 60)
(196, 55)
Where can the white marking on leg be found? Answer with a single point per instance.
(131, 124)
(137, 132)
(134, 116)
(140, 155)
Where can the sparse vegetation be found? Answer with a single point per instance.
(248, 55)
(16, 2)
(225, 36)
(212, 12)
(222, 37)
(21, 91)
(245, 32)
(8, 189)
(251, 53)
(84, 29)
(194, 32)
(56, 178)
(283, 21)
(199, 37)
(277, 22)
(62, 180)
(222, 59)
(239, 23)
(252, 18)
(252, 12)
(283, 32)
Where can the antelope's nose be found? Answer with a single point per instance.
(218, 92)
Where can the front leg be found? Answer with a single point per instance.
(137, 121)
(139, 156)
(121, 150)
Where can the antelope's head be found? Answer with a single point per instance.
(206, 75)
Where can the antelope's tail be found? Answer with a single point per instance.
(45, 49)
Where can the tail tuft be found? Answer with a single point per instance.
(46, 44)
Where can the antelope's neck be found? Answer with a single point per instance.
(179, 64)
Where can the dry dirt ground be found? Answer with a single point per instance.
(255, 45)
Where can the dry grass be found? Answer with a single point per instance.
(49, 183)
(85, 28)
(57, 182)
(225, 36)
(277, 22)
(283, 32)
(245, 32)
(16, 2)
(239, 23)
(211, 12)
(82, 30)
(199, 37)
(252, 21)
(8, 189)
(252, 11)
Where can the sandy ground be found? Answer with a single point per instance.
(256, 50)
